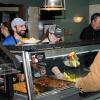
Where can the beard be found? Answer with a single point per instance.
(21, 33)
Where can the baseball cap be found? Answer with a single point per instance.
(57, 30)
(17, 21)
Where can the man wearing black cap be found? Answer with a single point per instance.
(53, 35)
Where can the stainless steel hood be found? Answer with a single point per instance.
(54, 5)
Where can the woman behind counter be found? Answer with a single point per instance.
(54, 35)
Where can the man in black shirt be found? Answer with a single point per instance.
(92, 32)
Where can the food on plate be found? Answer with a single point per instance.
(73, 60)
(30, 40)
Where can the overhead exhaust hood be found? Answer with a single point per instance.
(53, 5)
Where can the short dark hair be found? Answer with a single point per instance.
(94, 16)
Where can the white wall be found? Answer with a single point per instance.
(94, 9)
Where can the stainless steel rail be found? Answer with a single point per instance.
(28, 74)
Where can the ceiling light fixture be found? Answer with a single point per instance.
(54, 5)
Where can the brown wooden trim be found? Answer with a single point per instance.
(21, 11)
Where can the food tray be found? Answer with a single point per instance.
(21, 88)
(53, 82)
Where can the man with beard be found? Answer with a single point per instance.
(18, 26)
(19, 30)
(15, 37)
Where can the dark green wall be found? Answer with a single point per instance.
(94, 2)
(35, 2)
(73, 8)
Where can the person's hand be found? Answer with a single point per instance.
(19, 44)
(39, 68)
(57, 72)
(42, 71)
(60, 76)
(4, 31)
(78, 85)
(20, 77)
(34, 59)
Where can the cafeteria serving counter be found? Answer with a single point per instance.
(48, 55)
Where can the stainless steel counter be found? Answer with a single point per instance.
(50, 51)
